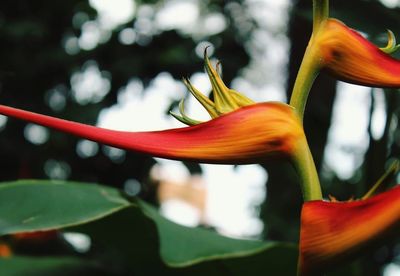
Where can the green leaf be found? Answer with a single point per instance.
(145, 243)
(137, 238)
(31, 205)
(47, 266)
(182, 246)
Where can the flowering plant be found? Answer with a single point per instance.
(240, 131)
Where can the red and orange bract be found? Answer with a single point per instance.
(333, 231)
(247, 135)
(352, 58)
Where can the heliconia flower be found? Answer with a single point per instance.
(352, 58)
(247, 135)
(240, 132)
(334, 231)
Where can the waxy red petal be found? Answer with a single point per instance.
(352, 58)
(247, 135)
(334, 231)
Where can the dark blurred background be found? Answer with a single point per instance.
(72, 59)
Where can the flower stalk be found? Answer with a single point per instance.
(305, 166)
(311, 64)
(320, 13)
(309, 69)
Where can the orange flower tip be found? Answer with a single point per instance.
(5, 251)
(332, 198)
(274, 127)
(352, 58)
(333, 232)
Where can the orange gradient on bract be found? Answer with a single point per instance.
(352, 58)
(333, 231)
(246, 135)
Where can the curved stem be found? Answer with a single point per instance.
(305, 166)
(310, 66)
(308, 71)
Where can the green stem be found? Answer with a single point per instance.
(310, 65)
(308, 71)
(305, 166)
(320, 13)
(392, 171)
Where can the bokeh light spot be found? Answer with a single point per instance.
(35, 134)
